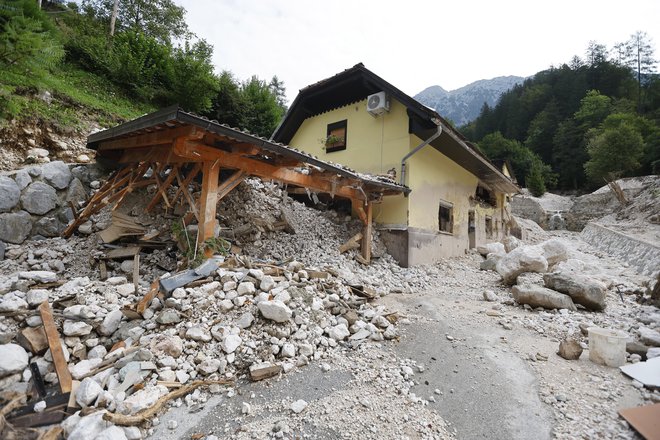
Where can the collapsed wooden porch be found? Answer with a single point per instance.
(172, 150)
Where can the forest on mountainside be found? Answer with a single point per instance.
(572, 126)
(120, 59)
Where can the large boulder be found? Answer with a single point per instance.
(47, 227)
(520, 260)
(9, 194)
(39, 198)
(13, 359)
(76, 192)
(537, 296)
(582, 289)
(57, 174)
(510, 243)
(491, 248)
(15, 226)
(490, 263)
(554, 251)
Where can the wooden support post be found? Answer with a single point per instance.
(366, 234)
(208, 200)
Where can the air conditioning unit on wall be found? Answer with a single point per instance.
(378, 103)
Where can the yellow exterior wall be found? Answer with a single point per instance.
(374, 145)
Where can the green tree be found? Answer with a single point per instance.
(615, 149)
(160, 19)
(594, 108)
(262, 111)
(534, 180)
(637, 53)
(27, 38)
(522, 159)
(191, 80)
(569, 154)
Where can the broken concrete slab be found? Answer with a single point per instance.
(648, 372)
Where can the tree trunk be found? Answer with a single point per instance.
(113, 18)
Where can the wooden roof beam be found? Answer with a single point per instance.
(264, 170)
(160, 137)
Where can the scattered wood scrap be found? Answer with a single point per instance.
(352, 243)
(61, 368)
(644, 419)
(33, 339)
(121, 253)
(55, 412)
(148, 413)
(122, 226)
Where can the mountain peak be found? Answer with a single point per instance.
(464, 104)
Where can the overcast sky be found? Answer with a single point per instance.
(412, 44)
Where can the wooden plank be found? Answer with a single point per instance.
(33, 339)
(121, 253)
(184, 181)
(61, 368)
(103, 269)
(162, 190)
(644, 419)
(208, 202)
(146, 300)
(136, 272)
(351, 243)
(232, 182)
(366, 235)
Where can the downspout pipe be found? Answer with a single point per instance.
(415, 150)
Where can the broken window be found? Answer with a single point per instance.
(484, 195)
(489, 227)
(336, 136)
(446, 217)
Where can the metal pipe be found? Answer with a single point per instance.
(415, 150)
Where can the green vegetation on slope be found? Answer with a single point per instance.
(579, 123)
(110, 72)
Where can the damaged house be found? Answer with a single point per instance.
(458, 198)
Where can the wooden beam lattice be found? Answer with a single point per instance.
(113, 190)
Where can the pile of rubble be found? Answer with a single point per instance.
(255, 316)
(554, 276)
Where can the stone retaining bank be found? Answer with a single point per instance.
(641, 254)
(35, 201)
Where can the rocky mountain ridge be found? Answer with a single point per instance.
(463, 105)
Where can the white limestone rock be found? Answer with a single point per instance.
(198, 333)
(110, 323)
(11, 302)
(275, 311)
(298, 406)
(35, 297)
(76, 328)
(230, 343)
(89, 427)
(246, 288)
(39, 276)
(339, 332)
(13, 359)
(87, 392)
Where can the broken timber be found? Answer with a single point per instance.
(168, 149)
